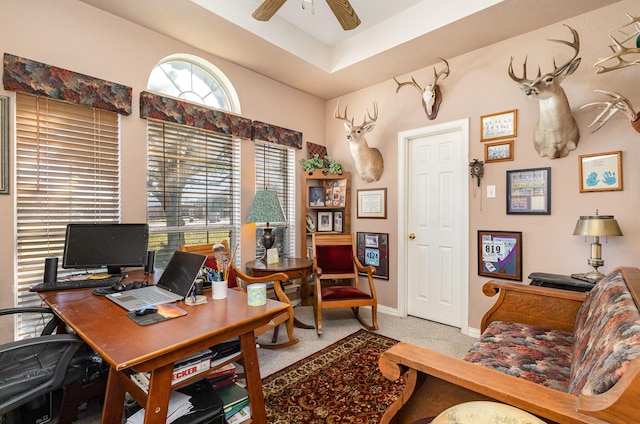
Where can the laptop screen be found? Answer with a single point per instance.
(181, 271)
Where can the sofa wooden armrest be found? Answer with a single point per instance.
(464, 381)
(533, 305)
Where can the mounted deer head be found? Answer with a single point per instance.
(369, 163)
(557, 132)
(431, 96)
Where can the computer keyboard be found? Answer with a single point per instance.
(76, 284)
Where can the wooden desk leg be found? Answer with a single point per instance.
(304, 287)
(252, 374)
(157, 403)
(113, 400)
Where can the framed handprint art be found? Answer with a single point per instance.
(601, 172)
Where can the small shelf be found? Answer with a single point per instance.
(334, 191)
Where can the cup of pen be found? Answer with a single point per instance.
(218, 286)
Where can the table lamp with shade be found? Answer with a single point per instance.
(266, 208)
(596, 226)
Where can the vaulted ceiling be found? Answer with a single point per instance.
(304, 46)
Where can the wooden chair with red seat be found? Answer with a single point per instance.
(286, 317)
(335, 262)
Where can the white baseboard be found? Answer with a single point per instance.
(471, 332)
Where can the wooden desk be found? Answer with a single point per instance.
(295, 268)
(128, 347)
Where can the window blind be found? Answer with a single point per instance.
(275, 170)
(67, 170)
(193, 187)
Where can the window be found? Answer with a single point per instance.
(275, 170)
(67, 170)
(192, 188)
(193, 180)
(194, 80)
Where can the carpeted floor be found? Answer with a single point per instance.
(338, 324)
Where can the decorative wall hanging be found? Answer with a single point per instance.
(368, 160)
(498, 152)
(372, 203)
(601, 172)
(430, 94)
(373, 249)
(499, 125)
(529, 191)
(500, 254)
(557, 132)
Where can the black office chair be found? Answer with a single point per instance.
(33, 367)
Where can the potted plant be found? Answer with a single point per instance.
(326, 163)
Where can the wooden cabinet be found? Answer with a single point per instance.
(326, 206)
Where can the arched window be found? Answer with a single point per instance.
(194, 80)
(193, 176)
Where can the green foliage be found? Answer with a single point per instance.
(316, 162)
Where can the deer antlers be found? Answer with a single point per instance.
(619, 49)
(372, 119)
(610, 108)
(431, 97)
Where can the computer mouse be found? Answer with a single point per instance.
(118, 287)
(146, 309)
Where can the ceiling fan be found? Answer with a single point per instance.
(341, 9)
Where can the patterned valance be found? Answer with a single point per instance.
(273, 134)
(168, 109)
(29, 76)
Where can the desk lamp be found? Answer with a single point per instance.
(266, 208)
(596, 226)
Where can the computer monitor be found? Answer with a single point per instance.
(110, 245)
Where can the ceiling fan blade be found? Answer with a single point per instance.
(267, 9)
(344, 13)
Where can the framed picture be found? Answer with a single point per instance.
(373, 249)
(325, 221)
(316, 196)
(500, 254)
(529, 191)
(4, 145)
(372, 203)
(601, 172)
(498, 152)
(337, 221)
(499, 125)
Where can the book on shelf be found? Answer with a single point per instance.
(232, 395)
(228, 369)
(179, 373)
(226, 381)
(234, 409)
(241, 416)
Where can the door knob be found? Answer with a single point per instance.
(412, 236)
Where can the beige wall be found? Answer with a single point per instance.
(479, 85)
(86, 40)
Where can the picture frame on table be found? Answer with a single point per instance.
(601, 172)
(500, 151)
(500, 254)
(337, 221)
(529, 191)
(499, 125)
(372, 203)
(316, 196)
(4, 145)
(325, 221)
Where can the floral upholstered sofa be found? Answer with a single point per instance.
(564, 356)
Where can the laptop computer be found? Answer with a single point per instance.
(174, 284)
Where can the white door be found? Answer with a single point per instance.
(437, 224)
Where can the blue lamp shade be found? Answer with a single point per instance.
(266, 208)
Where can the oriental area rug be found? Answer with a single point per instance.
(338, 384)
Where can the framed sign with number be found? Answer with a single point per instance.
(373, 249)
(500, 254)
